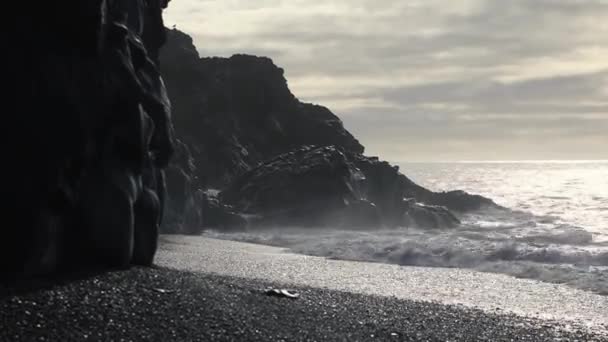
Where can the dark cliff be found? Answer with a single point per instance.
(275, 159)
(237, 112)
(87, 134)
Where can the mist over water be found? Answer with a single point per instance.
(557, 231)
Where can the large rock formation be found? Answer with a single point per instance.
(88, 134)
(250, 137)
(309, 186)
(325, 186)
(237, 112)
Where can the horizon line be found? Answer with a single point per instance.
(508, 161)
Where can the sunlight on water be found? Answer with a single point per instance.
(575, 192)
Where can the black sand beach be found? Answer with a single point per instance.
(167, 305)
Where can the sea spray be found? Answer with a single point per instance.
(564, 254)
(557, 230)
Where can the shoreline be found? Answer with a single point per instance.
(160, 304)
(454, 286)
(197, 299)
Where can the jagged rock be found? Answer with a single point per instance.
(185, 199)
(427, 216)
(386, 187)
(237, 115)
(88, 109)
(237, 112)
(461, 201)
(320, 186)
(306, 187)
(220, 215)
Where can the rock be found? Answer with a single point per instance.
(386, 187)
(252, 138)
(238, 112)
(221, 216)
(91, 116)
(306, 187)
(360, 214)
(428, 216)
(320, 186)
(461, 201)
(185, 199)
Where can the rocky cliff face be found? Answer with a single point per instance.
(278, 161)
(87, 134)
(237, 112)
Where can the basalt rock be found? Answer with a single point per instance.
(247, 134)
(386, 186)
(427, 216)
(323, 186)
(305, 187)
(459, 200)
(185, 198)
(221, 215)
(237, 112)
(88, 134)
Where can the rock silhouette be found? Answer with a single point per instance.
(322, 186)
(237, 112)
(276, 160)
(88, 109)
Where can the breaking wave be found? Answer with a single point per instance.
(542, 238)
(524, 246)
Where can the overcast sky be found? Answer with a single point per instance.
(432, 79)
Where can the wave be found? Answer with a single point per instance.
(523, 246)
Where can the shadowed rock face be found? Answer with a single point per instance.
(323, 186)
(88, 134)
(237, 112)
(249, 136)
(302, 187)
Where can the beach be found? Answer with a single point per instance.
(205, 289)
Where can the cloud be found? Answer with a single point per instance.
(470, 73)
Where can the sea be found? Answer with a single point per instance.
(555, 231)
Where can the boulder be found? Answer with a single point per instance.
(424, 216)
(461, 201)
(311, 186)
(322, 186)
(185, 199)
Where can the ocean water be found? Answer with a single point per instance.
(556, 230)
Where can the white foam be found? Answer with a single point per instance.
(555, 258)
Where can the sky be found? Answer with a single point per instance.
(432, 80)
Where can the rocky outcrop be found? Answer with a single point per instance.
(323, 186)
(185, 199)
(252, 138)
(237, 112)
(385, 183)
(309, 187)
(88, 134)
